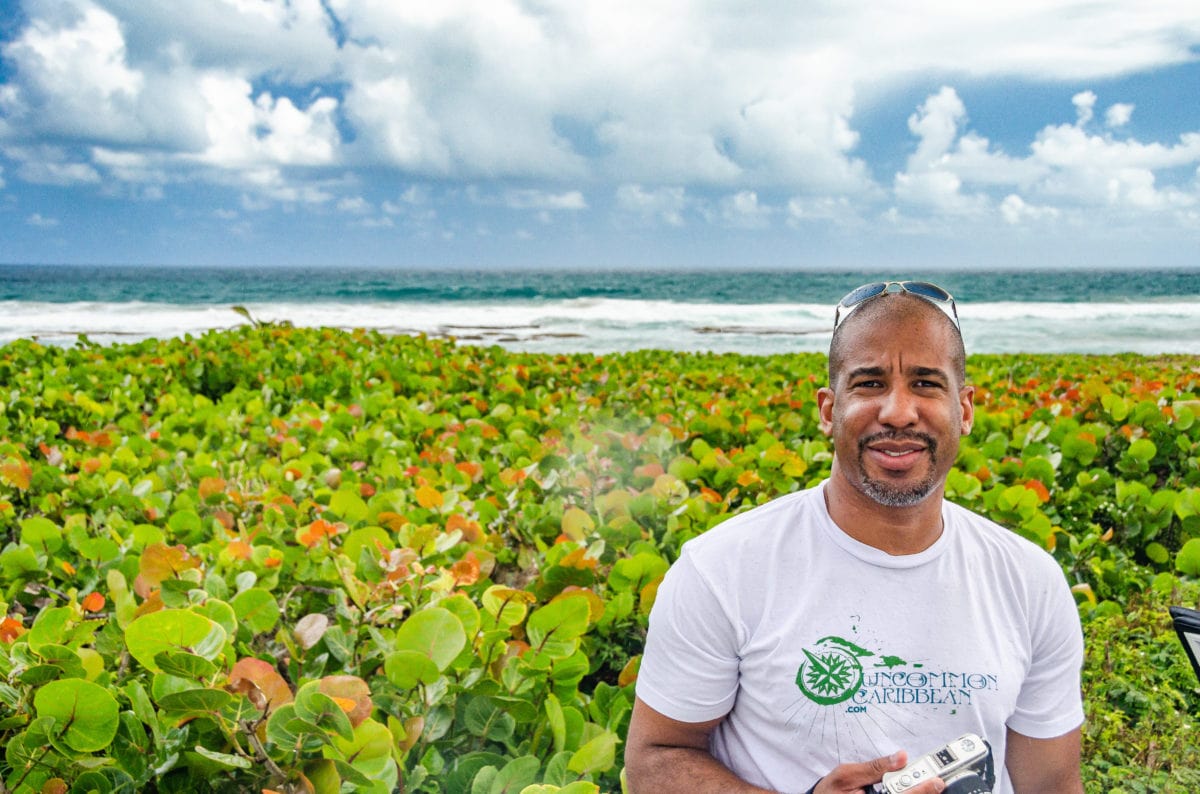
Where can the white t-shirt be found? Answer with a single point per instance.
(823, 650)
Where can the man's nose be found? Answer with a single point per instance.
(898, 408)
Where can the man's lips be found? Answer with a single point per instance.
(897, 453)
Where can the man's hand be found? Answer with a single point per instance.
(854, 778)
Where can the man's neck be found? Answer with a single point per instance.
(894, 530)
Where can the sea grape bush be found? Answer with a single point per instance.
(309, 560)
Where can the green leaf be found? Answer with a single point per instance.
(558, 724)
(1187, 560)
(349, 506)
(515, 775)
(184, 665)
(434, 632)
(51, 627)
(370, 740)
(1157, 552)
(41, 533)
(196, 700)
(227, 760)
(598, 755)
(487, 720)
(257, 609)
(1143, 449)
(316, 707)
(633, 573)
(86, 714)
(172, 630)
(406, 669)
(554, 628)
(15, 561)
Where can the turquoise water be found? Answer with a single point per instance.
(569, 310)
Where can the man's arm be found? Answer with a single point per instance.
(663, 755)
(1044, 766)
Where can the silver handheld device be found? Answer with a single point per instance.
(966, 755)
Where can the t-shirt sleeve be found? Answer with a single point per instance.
(1050, 702)
(689, 669)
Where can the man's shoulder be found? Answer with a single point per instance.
(996, 538)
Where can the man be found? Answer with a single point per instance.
(818, 641)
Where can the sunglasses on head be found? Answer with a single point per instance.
(922, 289)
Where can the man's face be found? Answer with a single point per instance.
(897, 411)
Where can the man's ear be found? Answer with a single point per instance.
(966, 397)
(825, 409)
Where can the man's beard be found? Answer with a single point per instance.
(890, 495)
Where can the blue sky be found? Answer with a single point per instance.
(499, 133)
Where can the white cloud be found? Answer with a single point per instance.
(743, 211)
(543, 200)
(41, 221)
(1118, 115)
(76, 80)
(825, 209)
(930, 178)
(1085, 103)
(354, 205)
(660, 101)
(1015, 211)
(50, 165)
(954, 172)
(245, 134)
(660, 205)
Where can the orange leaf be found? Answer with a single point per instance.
(466, 570)
(211, 486)
(471, 530)
(351, 693)
(10, 629)
(239, 550)
(429, 497)
(92, 602)
(469, 468)
(17, 472)
(629, 672)
(747, 478)
(578, 559)
(393, 521)
(312, 534)
(68, 568)
(1038, 488)
(261, 683)
(159, 562)
(709, 495)
(650, 470)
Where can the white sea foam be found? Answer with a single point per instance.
(606, 325)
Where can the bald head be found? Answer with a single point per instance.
(891, 307)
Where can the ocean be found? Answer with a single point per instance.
(603, 311)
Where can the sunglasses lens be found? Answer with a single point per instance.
(927, 290)
(865, 292)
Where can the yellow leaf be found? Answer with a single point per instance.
(17, 472)
(429, 497)
(576, 524)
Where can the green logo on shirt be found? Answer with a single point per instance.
(831, 671)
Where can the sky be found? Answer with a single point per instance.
(625, 133)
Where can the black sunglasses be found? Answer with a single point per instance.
(922, 289)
